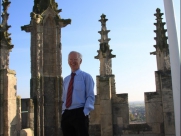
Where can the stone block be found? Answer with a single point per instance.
(106, 125)
(166, 81)
(169, 123)
(97, 100)
(105, 91)
(9, 86)
(1, 100)
(105, 107)
(1, 121)
(152, 97)
(140, 128)
(154, 112)
(11, 113)
(26, 132)
(107, 134)
(95, 115)
(49, 116)
(168, 106)
(95, 130)
(167, 96)
(39, 29)
(49, 90)
(120, 98)
(31, 120)
(113, 87)
(120, 121)
(157, 81)
(120, 110)
(156, 128)
(18, 115)
(97, 84)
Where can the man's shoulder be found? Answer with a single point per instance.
(84, 73)
(66, 77)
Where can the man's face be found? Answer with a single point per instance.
(74, 61)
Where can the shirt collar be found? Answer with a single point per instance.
(77, 71)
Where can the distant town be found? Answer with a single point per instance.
(137, 112)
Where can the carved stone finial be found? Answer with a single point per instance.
(41, 5)
(103, 20)
(5, 39)
(161, 38)
(5, 5)
(162, 50)
(104, 52)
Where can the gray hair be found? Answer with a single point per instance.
(79, 54)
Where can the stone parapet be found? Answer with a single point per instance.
(154, 112)
(120, 111)
(9, 107)
(135, 129)
(95, 115)
(153, 97)
(120, 98)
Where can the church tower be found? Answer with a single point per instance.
(46, 62)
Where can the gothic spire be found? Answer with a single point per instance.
(162, 50)
(5, 39)
(104, 52)
(4, 27)
(161, 38)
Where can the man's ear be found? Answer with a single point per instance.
(80, 61)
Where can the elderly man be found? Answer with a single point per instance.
(78, 98)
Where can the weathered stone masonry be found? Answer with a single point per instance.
(111, 115)
(46, 80)
(159, 104)
(10, 104)
(111, 112)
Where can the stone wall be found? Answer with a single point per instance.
(120, 113)
(111, 113)
(9, 104)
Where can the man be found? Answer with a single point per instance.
(78, 98)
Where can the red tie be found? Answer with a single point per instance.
(70, 90)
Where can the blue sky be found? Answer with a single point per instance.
(132, 38)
